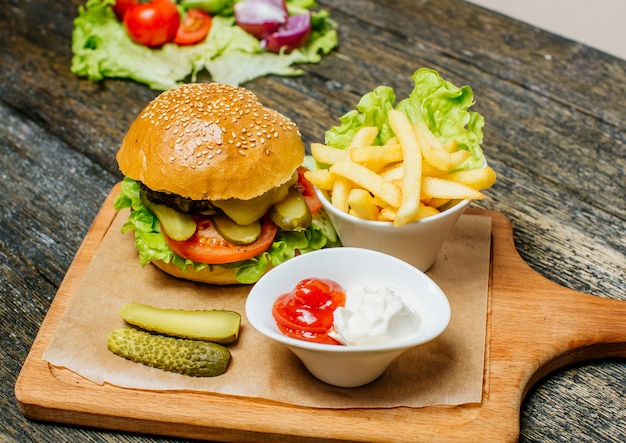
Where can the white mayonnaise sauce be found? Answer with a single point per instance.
(373, 315)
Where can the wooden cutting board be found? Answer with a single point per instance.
(534, 326)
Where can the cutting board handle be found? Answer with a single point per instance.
(545, 326)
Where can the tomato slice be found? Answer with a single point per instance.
(308, 191)
(208, 246)
(194, 27)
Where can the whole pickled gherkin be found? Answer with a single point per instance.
(184, 356)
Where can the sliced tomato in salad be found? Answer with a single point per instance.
(194, 27)
(208, 246)
(308, 191)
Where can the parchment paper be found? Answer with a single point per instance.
(446, 371)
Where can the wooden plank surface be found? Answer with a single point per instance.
(559, 326)
(555, 133)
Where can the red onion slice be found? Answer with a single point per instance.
(292, 35)
(260, 18)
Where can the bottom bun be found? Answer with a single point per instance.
(216, 275)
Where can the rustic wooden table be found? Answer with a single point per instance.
(556, 135)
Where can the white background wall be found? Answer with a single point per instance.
(600, 24)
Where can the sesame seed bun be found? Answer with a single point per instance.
(215, 275)
(209, 141)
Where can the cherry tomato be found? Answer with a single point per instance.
(153, 23)
(194, 28)
(121, 6)
(308, 191)
(208, 246)
(306, 312)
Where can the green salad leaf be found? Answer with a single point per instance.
(102, 49)
(151, 244)
(442, 106)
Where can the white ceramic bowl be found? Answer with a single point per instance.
(349, 366)
(416, 243)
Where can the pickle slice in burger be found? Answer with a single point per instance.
(235, 233)
(219, 161)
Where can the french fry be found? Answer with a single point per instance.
(451, 146)
(339, 193)
(481, 178)
(368, 180)
(322, 178)
(326, 154)
(438, 202)
(364, 137)
(432, 149)
(389, 153)
(426, 211)
(362, 204)
(395, 173)
(381, 203)
(434, 187)
(387, 214)
(458, 157)
(392, 172)
(429, 170)
(411, 181)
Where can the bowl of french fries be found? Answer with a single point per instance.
(398, 183)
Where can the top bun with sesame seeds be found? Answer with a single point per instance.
(209, 141)
(206, 166)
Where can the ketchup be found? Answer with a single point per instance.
(306, 313)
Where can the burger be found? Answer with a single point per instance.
(216, 188)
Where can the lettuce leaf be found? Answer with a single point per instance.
(102, 49)
(151, 244)
(442, 106)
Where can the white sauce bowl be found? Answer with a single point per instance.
(350, 366)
